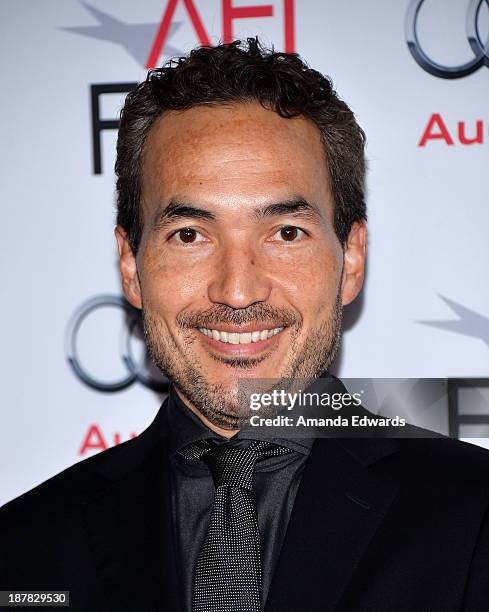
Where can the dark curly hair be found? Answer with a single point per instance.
(241, 72)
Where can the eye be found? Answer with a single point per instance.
(289, 233)
(187, 235)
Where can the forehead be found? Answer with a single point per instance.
(232, 151)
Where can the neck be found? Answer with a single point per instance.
(226, 433)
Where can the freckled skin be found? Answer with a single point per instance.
(230, 160)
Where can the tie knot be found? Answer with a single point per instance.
(229, 465)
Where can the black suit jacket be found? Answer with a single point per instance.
(378, 525)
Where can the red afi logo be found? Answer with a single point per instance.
(229, 14)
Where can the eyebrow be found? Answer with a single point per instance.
(178, 210)
(299, 207)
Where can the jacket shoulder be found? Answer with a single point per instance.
(88, 477)
(443, 449)
(457, 463)
(80, 480)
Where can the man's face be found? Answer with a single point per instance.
(239, 272)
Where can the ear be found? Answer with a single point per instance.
(128, 268)
(354, 253)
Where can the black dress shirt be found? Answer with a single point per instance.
(275, 485)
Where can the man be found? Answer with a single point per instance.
(241, 234)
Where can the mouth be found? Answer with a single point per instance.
(248, 340)
(233, 337)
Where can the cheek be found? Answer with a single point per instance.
(169, 286)
(310, 276)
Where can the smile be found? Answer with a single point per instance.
(240, 338)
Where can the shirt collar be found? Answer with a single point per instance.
(185, 427)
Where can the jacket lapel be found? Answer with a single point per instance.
(129, 528)
(339, 506)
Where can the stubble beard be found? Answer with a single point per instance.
(223, 405)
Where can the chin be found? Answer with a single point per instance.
(239, 368)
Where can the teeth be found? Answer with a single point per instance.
(237, 338)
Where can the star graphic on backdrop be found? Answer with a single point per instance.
(469, 323)
(136, 38)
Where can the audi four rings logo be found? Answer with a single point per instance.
(479, 49)
(135, 370)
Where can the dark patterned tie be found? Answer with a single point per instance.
(228, 571)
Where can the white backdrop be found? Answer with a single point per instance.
(428, 205)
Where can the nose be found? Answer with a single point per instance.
(239, 278)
